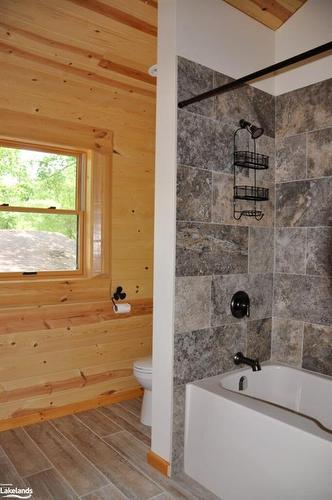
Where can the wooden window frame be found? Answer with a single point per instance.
(92, 172)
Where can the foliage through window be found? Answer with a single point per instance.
(41, 217)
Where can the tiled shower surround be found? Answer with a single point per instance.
(217, 255)
(302, 324)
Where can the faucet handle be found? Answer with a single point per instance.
(240, 304)
(238, 358)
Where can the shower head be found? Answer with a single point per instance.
(254, 131)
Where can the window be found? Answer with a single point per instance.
(41, 210)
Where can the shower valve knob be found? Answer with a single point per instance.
(240, 305)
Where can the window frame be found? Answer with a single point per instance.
(80, 212)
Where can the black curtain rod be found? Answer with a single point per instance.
(253, 76)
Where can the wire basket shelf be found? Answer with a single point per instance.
(253, 193)
(258, 214)
(250, 159)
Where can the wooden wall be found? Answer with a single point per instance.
(75, 71)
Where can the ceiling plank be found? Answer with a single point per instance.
(274, 8)
(114, 66)
(152, 3)
(117, 15)
(271, 13)
(86, 74)
(127, 71)
(71, 24)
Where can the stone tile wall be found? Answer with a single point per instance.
(284, 262)
(302, 324)
(216, 255)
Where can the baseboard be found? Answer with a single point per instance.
(61, 411)
(158, 463)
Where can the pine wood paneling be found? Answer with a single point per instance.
(76, 74)
(271, 13)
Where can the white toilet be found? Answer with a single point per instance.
(143, 374)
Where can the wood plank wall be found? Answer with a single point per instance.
(76, 71)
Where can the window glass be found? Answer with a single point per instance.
(40, 213)
(37, 179)
(38, 242)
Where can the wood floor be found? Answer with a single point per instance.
(93, 455)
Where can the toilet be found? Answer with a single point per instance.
(143, 374)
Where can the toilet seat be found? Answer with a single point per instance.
(143, 365)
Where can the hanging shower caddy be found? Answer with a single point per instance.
(249, 159)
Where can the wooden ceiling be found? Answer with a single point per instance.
(113, 41)
(271, 13)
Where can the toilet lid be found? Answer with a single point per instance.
(143, 365)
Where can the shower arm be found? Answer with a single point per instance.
(321, 49)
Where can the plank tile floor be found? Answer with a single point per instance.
(93, 455)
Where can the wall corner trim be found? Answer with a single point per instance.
(158, 463)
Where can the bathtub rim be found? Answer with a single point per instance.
(289, 417)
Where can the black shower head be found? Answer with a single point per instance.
(252, 129)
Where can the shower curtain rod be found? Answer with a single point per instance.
(253, 76)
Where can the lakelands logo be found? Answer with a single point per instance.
(9, 491)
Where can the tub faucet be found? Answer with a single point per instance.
(240, 359)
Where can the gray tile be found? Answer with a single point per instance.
(264, 111)
(259, 339)
(261, 253)
(194, 194)
(258, 287)
(112, 465)
(235, 104)
(247, 102)
(305, 109)
(109, 492)
(192, 303)
(291, 158)
(290, 249)
(195, 356)
(266, 145)
(123, 419)
(9, 474)
(135, 451)
(231, 339)
(319, 254)
(303, 298)
(197, 491)
(320, 153)
(317, 348)
(222, 201)
(99, 423)
(23, 452)
(304, 203)
(178, 428)
(287, 339)
(77, 470)
(49, 485)
(203, 142)
(203, 249)
(193, 79)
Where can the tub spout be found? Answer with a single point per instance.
(240, 359)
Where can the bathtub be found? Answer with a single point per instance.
(270, 441)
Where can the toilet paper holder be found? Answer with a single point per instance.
(119, 294)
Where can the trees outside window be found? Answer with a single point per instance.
(41, 216)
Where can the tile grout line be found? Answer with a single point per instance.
(11, 463)
(27, 476)
(118, 453)
(53, 465)
(75, 447)
(129, 411)
(130, 462)
(132, 424)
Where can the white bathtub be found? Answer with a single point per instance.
(272, 441)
